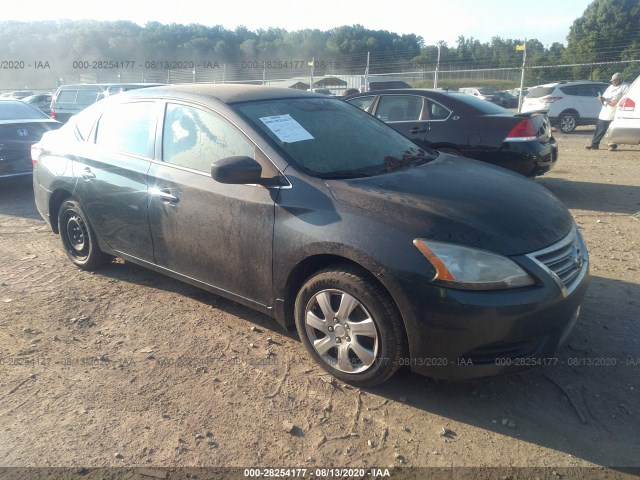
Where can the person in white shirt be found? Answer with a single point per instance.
(609, 99)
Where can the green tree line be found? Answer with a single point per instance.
(606, 32)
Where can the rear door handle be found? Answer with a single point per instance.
(415, 130)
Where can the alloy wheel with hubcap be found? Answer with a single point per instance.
(567, 122)
(350, 325)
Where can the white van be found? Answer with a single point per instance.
(625, 127)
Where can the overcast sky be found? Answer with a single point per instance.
(433, 20)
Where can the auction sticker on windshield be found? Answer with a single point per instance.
(286, 128)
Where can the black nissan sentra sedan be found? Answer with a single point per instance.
(314, 212)
(464, 125)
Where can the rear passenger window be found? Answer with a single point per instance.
(437, 111)
(126, 127)
(194, 138)
(363, 103)
(582, 90)
(87, 97)
(67, 96)
(398, 108)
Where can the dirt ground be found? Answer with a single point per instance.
(124, 367)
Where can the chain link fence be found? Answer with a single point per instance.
(338, 77)
(446, 76)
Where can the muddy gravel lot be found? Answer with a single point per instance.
(123, 367)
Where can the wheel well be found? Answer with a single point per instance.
(570, 111)
(57, 198)
(307, 268)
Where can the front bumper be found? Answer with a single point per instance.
(461, 334)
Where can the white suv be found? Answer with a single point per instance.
(625, 127)
(567, 104)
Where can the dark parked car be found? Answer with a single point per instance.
(309, 210)
(465, 125)
(20, 94)
(41, 101)
(387, 84)
(71, 99)
(21, 125)
(506, 100)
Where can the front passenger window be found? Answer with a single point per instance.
(195, 139)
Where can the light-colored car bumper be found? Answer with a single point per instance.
(625, 131)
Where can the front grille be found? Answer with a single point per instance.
(566, 261)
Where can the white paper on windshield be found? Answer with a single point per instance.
(286, 128)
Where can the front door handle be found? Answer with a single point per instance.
(87, 174)
(165, 196)
(415, 130)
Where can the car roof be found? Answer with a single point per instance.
(84, 85)
(226, 93)
(566, 82)
(412, 91)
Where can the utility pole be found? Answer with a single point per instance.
(524, 63)
(435, 76)
(366, 73)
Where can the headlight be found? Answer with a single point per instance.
(471, 269)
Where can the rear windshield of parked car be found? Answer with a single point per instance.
(483, 106)
(19, 111)
(538, 92)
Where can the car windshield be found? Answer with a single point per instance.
(487, 91)
(19, 110)
(329, 138)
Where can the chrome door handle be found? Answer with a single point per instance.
(165, 196)
(87, 174)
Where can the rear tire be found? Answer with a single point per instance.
(350, 326)
(567, 122)
(78, 238)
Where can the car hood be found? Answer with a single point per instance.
(465, 202)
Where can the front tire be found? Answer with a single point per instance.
(350, 326)
(78, 238)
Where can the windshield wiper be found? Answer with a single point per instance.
(347, 174)
(394, 163)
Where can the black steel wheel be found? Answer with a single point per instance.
(350, 326)
(78, 239)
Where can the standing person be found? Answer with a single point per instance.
(609, 99)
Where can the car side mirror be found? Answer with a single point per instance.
(239, 170)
